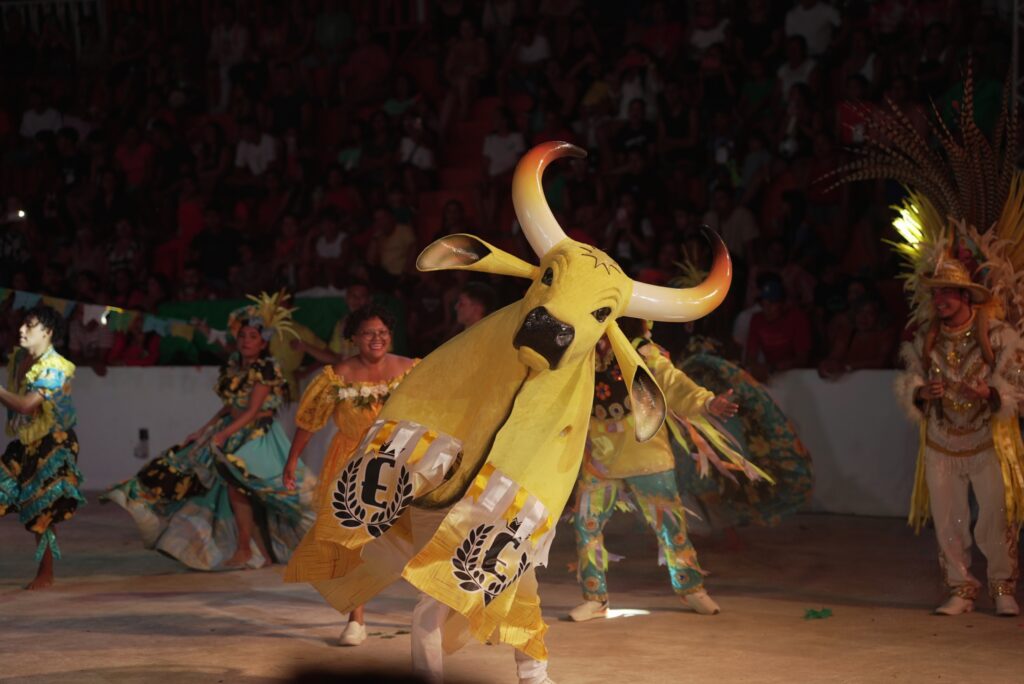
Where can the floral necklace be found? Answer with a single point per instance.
(364, 394)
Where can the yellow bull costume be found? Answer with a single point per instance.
(489, 430)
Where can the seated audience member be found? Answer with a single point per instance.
(475, 302)
(255, 154)
(392, 249)
(133, 347)
(869, 344)
(88, 342)
(780, 331)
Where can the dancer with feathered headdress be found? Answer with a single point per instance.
(960, 232)
(217, 501)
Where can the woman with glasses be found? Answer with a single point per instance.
(351, 392)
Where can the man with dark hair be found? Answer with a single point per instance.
(780, 332)
(39, 476)
(475, 302)
(962, 387)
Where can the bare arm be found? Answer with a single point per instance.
(23, 404)
(216, 417)
(299, 442)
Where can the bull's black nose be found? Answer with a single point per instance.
(545, 334)
(541, 321)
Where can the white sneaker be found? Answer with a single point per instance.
(589, 610)
(353, 634)
(700, 602)
(1006, 606)
(955, 605)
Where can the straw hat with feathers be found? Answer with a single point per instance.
(964, 194)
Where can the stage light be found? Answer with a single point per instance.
(625, 613)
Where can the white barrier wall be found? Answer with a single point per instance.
(170, 402)
(862, 445)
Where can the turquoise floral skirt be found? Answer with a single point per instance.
(180, 501)
(40, 482)
(767, 439)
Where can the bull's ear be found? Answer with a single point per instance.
(645, 397)
(470, 253)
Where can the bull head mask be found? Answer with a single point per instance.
(578, 291)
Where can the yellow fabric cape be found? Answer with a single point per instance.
(516, 426)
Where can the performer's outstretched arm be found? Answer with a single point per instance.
(299, 442)
(684, 397)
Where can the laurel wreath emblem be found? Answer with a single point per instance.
(466, 566)
(351, 513)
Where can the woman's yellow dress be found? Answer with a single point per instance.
(352, 405)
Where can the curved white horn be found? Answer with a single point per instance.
(675, 305)
(539, 224)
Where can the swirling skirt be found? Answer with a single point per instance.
(40, 481)
(180, 500)
(767, 439)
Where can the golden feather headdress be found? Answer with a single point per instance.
(965, 202)
(267, 313)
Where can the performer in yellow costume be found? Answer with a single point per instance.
(962, 235)
(459, 483)
(351, 393)
(617, 468)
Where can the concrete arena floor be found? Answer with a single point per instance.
(122, 614)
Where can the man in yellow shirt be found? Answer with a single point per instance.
(617, 463)
(393, 245)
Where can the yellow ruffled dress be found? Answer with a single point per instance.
(352, 405)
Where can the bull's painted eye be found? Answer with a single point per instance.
(602, 313)
(548, 277)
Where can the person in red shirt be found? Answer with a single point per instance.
(780, 334)
(133, 347)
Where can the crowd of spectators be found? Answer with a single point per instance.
(180, 150)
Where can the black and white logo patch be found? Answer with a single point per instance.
(361, 499)
(488, 561)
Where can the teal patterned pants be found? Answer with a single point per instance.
(657, 497)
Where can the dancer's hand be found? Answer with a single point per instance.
(288, 476)
(722, 406)
(977, 390)
(218, 440)
(933, 390)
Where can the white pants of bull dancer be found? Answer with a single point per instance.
(430, 615)
(948, 480)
